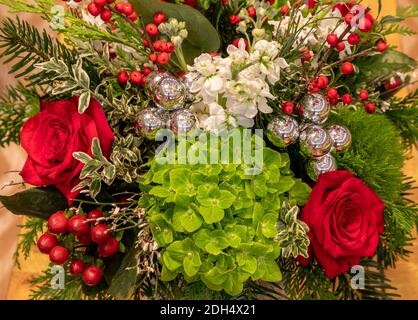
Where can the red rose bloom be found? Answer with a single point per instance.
(51, 137)
(345, 218)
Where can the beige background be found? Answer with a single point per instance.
(14, 283)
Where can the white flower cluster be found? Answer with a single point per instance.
(232, 90)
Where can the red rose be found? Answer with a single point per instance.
(345, 218)
(51, 137)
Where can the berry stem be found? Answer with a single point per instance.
(348, 58)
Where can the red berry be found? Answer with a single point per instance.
(94, 9)
(163, 46)
(284, 9)
(109, 247)
(92, 275)
(58, 255)
(192, 3)
(76, 267)
(143, 81)
(106, 15)
(133, 16)
(307, 55)
(334, 101)
(370, 107)
(96, 213)
(146, 71)
(128, 9)
(145, 43)
(163, 58)
(393, 83)
(170, 47)
(159, 18)
(151, 29)
(348, 18)
(120, 7)
(381, 46)
(100, 233)
(340, 46)
(353, 39)
(347, 98)
(332, 39)
(110, 1)
(84, 239)
(252, 12)
(322, 82)
(153, 57)
(332, 93)
(100, 3)
(288, 107)
(347, 68)
(46, 242)
(57, 223)
(135, 77)
(157, 45)
(78, 225)
(364, 94)
(233, 20)
(123, 77)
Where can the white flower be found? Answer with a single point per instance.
(97, 21)
(216, 118)
(238, 56)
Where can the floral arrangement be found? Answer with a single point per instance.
(206, 149)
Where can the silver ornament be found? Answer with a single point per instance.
(150, 121)
(152, 82)
(315, 108)
(169, 94)
(187, 81)
(182, 121)
(321, 165)
(283, 131)
(341, 137)
(315, 141)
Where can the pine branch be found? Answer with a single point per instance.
(23, 42)
(29, 233)
(16, 105)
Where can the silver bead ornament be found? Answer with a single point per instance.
(169, 94)
(187, 81)
(315, 141)
(151, 120)
(182, 121)
(321, 165)
(152, 82)
(315, 108)
(341, 137)
(283, 131)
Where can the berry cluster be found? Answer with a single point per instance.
(102, 8)
(88, 232)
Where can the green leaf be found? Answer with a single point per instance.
(259, 185)
(247, 262)
(202, 36)
(84, 101)
(192, 263)
(36, 202)
(96, 150)
(82, 157)
(173, 256)
(180, 181)
(123, 283)
(300, 192)
(167, 275)
(211, 214)
(159, 191)
(285, 184)
(189, 220)
(268, 225)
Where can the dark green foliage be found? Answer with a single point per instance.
(28, 237)
(21, 40)
(376, 156)
(16, 105)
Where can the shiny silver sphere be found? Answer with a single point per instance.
(315, 109)
(321, 165)
(341, 137)
(182, 121)
(169, 94)
(283, 131)
(315, 141)
(152, 82)
(187, 81)
(150, 121)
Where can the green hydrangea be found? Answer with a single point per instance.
(216, 223)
